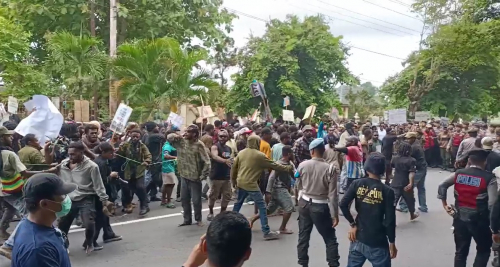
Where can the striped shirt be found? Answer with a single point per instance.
(354, 162)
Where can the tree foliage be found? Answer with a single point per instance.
(456, 74)
(151, 73)
(183, 20)
(299, 59)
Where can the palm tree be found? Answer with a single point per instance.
(152, 72)
(77, 59)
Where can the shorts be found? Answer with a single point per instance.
(168, 178)
(280, 197)
(349, 182)
(222, 188)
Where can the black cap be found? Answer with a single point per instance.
(45, 186)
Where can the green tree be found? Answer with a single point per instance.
(77, 60)
(156, 72)
(14, 43)
(363, 103)
(299, 59)
(183, 20)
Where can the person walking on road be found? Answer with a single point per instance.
(194, 166)
(375, 223)
(475, 192)
(220, 182)
(318, 204)
(246, 172)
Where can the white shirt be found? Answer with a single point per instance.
(381, 134)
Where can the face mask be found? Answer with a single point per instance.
(65, 207)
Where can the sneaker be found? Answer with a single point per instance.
(178, 199)
(112, 239)
(210, 217)
(250, 202)
(6, 252)
(271, 236)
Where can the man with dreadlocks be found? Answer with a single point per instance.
(404, 174)
(138, 159)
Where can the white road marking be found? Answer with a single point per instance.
(76, 229)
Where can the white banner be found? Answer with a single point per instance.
(375, 120)
(120, 120)
(422, 116)
(12, 105)
(397, 116)
(288, 115)
(56, 101)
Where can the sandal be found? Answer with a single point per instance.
(170, 206)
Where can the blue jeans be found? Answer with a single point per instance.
(256, 196)
(359, 253)
(419, 183)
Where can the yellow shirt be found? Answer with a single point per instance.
(265, 148)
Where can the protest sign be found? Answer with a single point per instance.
(175, 119)
(119, 122)
(288, 115)
(309, 112)
(375, 120)
(12, 105)
(397, 116)
(422, 116)
(44, 122)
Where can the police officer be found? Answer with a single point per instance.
(318, 204)
(475, 193)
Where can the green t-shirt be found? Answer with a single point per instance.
(168, 166)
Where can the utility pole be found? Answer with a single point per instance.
(113, 88)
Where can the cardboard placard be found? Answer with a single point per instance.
(309, 112)
(82, 111)
(175, 119)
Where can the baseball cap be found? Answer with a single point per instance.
(487, 143)
(5, 131)
(316, 143)
(44, 186)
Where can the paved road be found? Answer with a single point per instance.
(157, 241)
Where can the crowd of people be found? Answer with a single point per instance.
(89, 172)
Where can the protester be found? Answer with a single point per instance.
(83, 172)
(475, 191)
(318, 204)
(278, 192)
(194, 167)
(138, 158)
(246, 172)
(154, 142)
(38, 243)
(465, 146)
(31, 156)
(375, 223)
(168, 174)
(220, 183)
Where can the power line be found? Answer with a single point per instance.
(400, 3)
(386, 8)
(265, 21)
(382, 54)
(381, 20)
(348, 21)
(363, 20)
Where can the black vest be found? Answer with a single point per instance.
(220, 171)
(471, 193)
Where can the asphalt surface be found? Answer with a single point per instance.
(157, 241)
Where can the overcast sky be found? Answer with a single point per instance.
(397, 39)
